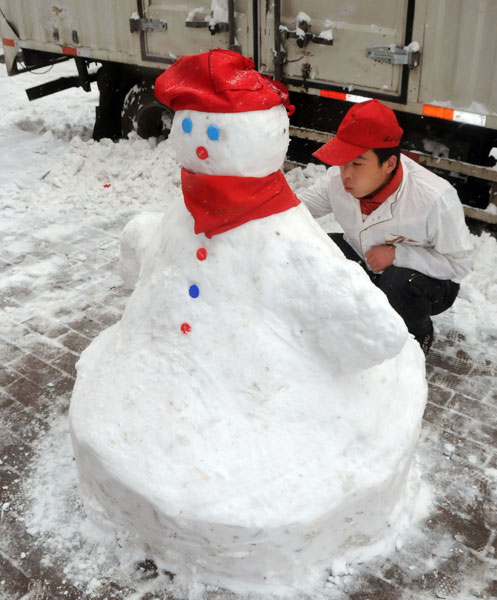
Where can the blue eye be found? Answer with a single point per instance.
(187, 125)
(212, 132)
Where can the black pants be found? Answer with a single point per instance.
(412, 294)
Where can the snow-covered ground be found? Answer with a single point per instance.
(59, 188)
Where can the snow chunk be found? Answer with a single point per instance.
(219, 12)
(327, 34)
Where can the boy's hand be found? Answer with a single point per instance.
(380, 257)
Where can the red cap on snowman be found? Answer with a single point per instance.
(220, 81)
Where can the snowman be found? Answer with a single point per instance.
(253, 415)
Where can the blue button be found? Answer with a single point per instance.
(187, 125)
(213, 132)
(194, 291)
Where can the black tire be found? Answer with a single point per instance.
(143, 113)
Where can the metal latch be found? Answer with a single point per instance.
(394, 55)
(196, 22)
(214, 27)
(143, 24)
(303, 35)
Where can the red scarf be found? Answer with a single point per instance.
(220, 202)
(371, 203)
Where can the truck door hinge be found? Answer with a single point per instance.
(394, 55)
(138, 24)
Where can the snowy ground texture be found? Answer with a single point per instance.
(64, 200)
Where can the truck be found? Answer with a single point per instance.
(434, 62)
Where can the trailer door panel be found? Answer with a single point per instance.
(170, 29)
(461, 42)
(327, 44)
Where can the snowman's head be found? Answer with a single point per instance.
(229, 119)
(246, 144)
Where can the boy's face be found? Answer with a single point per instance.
(364, 175)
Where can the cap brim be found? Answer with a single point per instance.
(338, 152)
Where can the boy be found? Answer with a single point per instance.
(402, 223)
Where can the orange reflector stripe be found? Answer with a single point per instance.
(454, 115)
(343, 96)
(69, 50)
(438, 111)
(7, 42)
(336, 95)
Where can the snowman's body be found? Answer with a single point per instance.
(253, 415)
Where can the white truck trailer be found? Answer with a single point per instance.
(433, 61)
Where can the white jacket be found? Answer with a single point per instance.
(423, 219)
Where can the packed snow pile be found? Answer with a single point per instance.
(253, 415)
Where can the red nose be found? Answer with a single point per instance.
(202, 153)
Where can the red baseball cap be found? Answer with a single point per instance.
(220, 81)
(366, 125)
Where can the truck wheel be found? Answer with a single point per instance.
(143, 113)
(113, 84)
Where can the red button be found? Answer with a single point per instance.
(185, 328)
(202, 153)
(201, 253)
